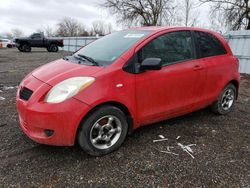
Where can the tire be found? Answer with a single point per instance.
(225, 102)
(52, 48)
(20, 48)
(103, 131)
(9, 46)
(26, 48)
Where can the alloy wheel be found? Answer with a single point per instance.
(105, 132)
(227, 99)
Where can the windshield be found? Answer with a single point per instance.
(107, 49)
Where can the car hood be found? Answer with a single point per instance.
(59, 70)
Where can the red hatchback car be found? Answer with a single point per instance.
(125, 80)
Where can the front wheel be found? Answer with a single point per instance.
(26, 48)
(103, 131)
(20, 48)
(226, 100)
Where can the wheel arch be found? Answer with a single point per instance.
(51, 43)
(120, 106)
(236, 84)
(25, 42)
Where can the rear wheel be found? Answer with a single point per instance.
(26, 48)
(103, 131)
(226, 100)
(52, 48)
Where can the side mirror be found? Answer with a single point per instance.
(151, 64)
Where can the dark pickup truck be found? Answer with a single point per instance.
(38, 40)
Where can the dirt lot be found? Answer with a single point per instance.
(221, 154)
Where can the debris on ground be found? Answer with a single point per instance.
(8, 87)
(2, 98)
(161, 136)
(168, 151)
(4, 87)
(187, 148)
(160, 140)
(1, 125)
(168, 147)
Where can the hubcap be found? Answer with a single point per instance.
(227, 99)
(105, 132)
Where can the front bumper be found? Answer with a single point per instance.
(36, 116)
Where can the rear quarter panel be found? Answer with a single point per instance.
(221, 70)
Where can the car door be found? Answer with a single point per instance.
(177, 86)
(36, 40)
(214, 56)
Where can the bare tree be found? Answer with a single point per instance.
(146, 12)
(70, 27)
(82, 31)
(216, 24)
(109, 28)
(49, 31)
(190, 17)
(236, 13)
(101, 28)
(98, 27)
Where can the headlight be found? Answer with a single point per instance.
(68, 88)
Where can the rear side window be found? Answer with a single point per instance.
(170, 47)
(208, 45)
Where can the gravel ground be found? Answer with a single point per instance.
(221, 154)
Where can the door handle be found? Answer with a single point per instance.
(197, 67)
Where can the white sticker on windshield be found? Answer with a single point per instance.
(135, 35)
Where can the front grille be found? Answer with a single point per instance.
(25, 93)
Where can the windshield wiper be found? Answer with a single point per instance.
(88, 59)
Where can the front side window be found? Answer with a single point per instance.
(170, 47)
(209, 45)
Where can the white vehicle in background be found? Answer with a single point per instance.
(6, 43)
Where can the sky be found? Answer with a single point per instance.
(31, 15)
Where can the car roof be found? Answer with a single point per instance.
(156, 29)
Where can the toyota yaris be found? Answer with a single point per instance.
(126, 80)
